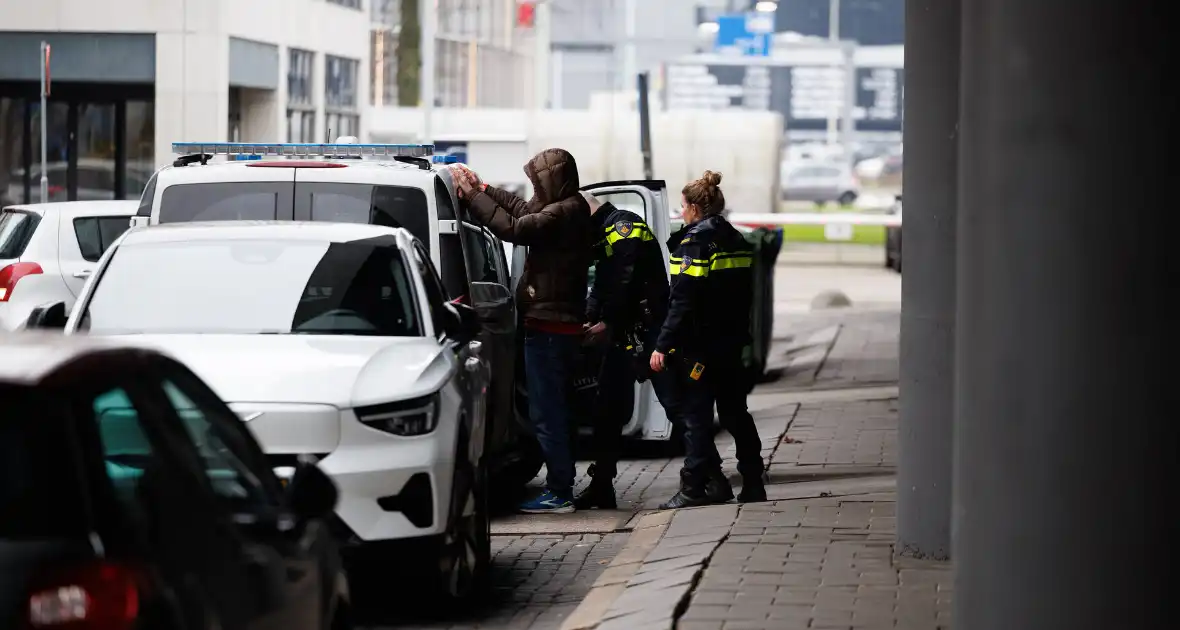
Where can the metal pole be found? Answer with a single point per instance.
(428, 16)
(847, 122)
(629, 29)
(44, 126)
(1065, 410)
(833, 37)
(927, 362)
(541, 49)
(645, 125)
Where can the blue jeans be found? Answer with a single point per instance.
(548, 360)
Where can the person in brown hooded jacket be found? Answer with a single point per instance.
(555, 226)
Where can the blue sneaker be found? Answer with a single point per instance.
(547, 503)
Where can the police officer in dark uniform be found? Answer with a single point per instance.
(702, 343)
(624, 311)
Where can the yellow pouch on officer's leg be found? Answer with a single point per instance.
(697, 370)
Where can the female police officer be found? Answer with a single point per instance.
(701, 344)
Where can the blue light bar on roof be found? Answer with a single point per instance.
(277, 149)
(445, 159)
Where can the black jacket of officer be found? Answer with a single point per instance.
(712, 291)
(629, 276)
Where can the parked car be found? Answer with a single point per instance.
(893, 239)
(400, 188)
(334, 343)
(399, 185)
(47, 251)
(821, 184)
(132, 497)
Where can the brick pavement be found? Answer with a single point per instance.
(820, 553)
(817, 555)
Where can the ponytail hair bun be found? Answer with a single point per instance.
(705, 193)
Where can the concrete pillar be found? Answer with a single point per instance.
(928, 284)
(1065, 419)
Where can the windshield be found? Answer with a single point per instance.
(255, 286)
(16, 229)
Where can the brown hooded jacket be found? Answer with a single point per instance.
(555, 226)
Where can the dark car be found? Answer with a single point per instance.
(893, 239)
(132, 497)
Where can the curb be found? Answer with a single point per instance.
(610, 585)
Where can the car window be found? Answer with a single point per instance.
(16, 230)
(41, 495)
(127, 451)
(130, 455)
(454, 266)
(256, 286)
(95, 234)
(147, 198)
(229, 476)
(389, 206)
(435, 293)
(481, 261)
(442, 199)
(257, 201)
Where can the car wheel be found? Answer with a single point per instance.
(465, 548)
(847, 198)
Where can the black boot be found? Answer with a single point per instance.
(692, 492)
(685, 499)
(717, 489)
(599, 494)
(753, 490)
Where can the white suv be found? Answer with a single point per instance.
(404, 186)
(334, 343)
(47, 251)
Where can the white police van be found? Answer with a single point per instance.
(399, 185)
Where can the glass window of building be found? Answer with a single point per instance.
(341, 104)
(300, 96)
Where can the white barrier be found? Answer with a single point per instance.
(812, 218)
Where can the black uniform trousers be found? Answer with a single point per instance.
(615, 404)
(723, 383)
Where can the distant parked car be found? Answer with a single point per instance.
(893, 239)
(47, 251)
(821, 184)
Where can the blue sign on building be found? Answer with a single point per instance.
(746, 34)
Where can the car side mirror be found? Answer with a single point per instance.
(48, 317)
(312, 494)
(463, 323)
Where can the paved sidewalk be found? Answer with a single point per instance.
(819, 554)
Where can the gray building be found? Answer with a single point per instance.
(591, 50)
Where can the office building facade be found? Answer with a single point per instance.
(129, 77)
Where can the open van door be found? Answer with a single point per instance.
(648, 199)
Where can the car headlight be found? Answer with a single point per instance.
(417, 416)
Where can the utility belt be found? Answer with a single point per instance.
(634, 341)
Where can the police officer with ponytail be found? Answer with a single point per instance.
(702, 343)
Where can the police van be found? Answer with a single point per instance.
(400, 185)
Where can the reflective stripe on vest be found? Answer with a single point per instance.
(717, 262)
